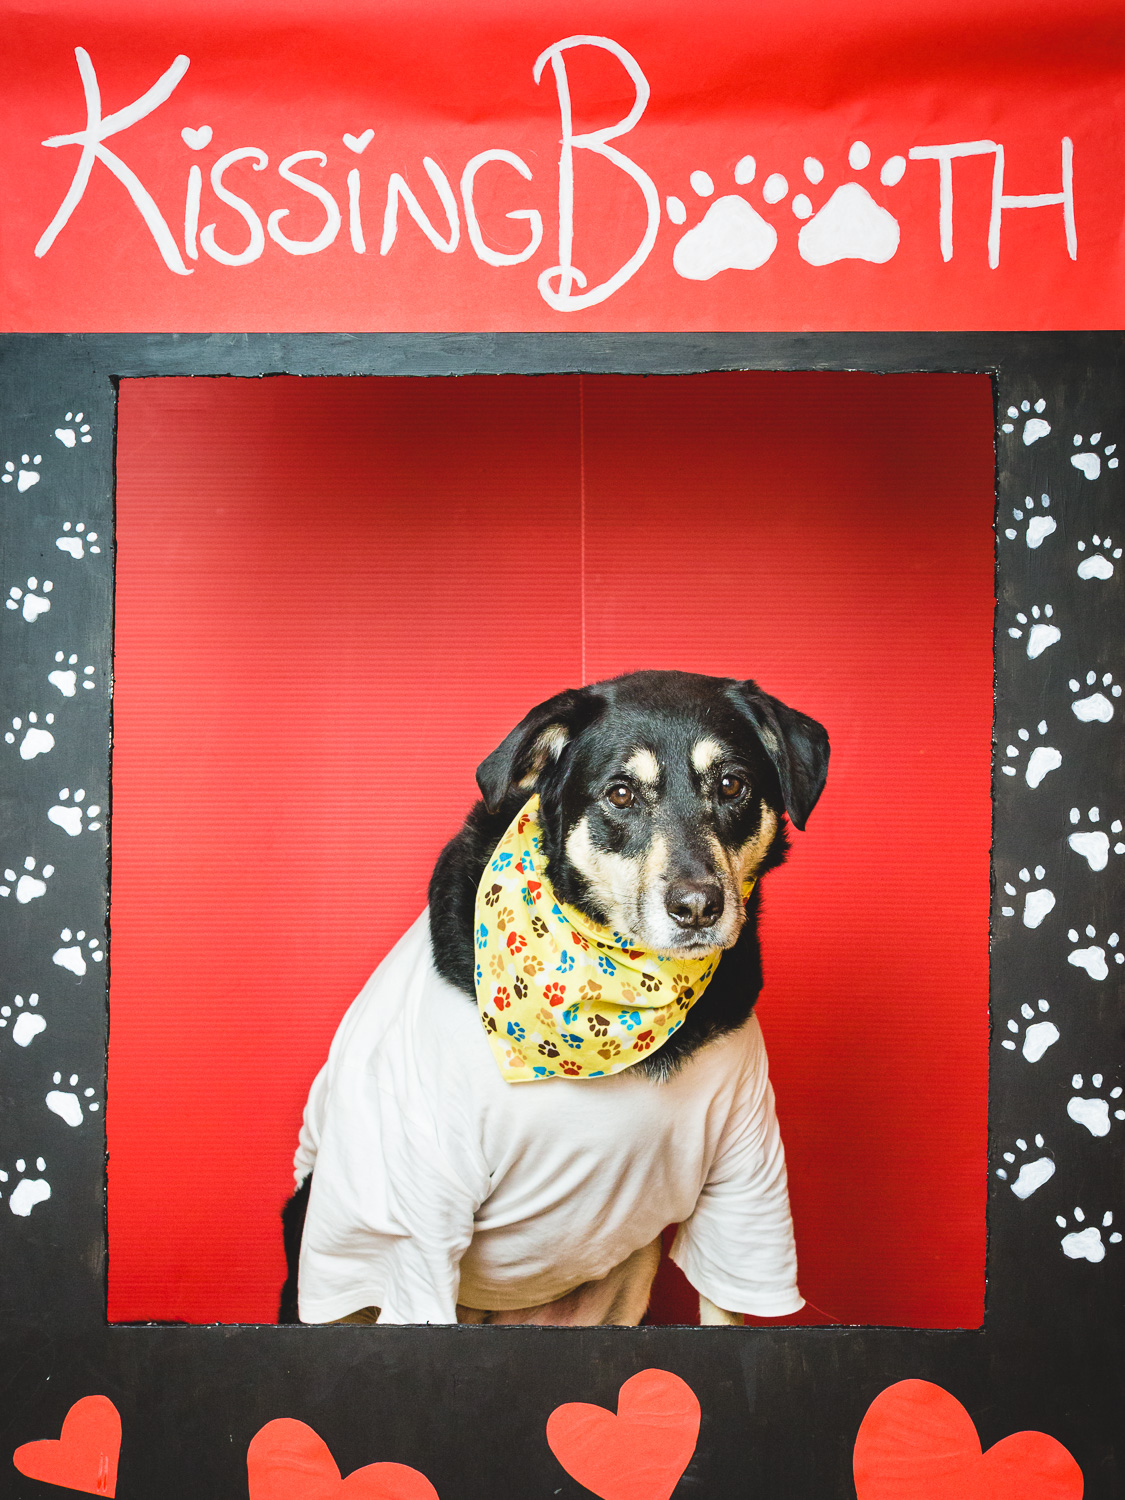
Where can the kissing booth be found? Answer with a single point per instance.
(362, 390)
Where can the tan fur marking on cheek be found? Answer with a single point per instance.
(644, 765)
(704, 754)
(754, 850)
(611, 877)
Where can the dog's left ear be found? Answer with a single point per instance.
(537, 740)
(797, 745)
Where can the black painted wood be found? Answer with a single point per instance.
(468, 1406)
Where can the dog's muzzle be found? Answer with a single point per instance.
(694, 905)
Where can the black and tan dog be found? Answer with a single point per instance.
(662, 796)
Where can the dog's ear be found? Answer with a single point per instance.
(536, 741)
(797, 745)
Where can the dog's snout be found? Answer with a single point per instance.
(694, 903)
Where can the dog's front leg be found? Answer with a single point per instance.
(711, 1316)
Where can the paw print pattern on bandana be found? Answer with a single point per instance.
(557, 993)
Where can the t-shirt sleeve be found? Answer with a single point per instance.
(737, 1248)
(399, 1172)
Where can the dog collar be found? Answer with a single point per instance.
(559, 994)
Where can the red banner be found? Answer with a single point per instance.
(561, 167)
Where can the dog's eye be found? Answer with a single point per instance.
(731, 787)
(621, 794)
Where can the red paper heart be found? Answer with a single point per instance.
(640, 1453)
(84, 1455)
(917, 1442)
(287, 1460)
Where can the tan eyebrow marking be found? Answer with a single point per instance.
(704, 754)
(644, 766)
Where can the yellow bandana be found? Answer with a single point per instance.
(557, 992)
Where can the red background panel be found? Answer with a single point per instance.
(335, 596)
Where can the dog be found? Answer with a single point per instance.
(654, 803)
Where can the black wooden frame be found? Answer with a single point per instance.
(468, 1406)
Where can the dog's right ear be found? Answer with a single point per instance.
(536, 741)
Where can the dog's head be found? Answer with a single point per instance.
(660, 794)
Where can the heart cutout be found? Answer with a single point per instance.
(359, 143)
(196, 139)
(917, 1442)
(84, 1455)
(638, 1454)
(287, 1460)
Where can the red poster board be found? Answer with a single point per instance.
(335, 597)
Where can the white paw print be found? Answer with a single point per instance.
(1038, 1032)
(1094, 959)
(850, 225)
(29, 886)
(68, 813)
(77, 540)
(35, 741)
(1086, 1244)
(28, 1191)
(24, 476)
(1032, 1174)
(1094, 1112)
(1034, 428)
(731, 236)
(1095, 705)
(1037, 904)
(1041, 633)
(79, 433)
(28, 1023)
(1091, 463)
(34, 604)
(71, 957)
(1098, 564)
(1093, 843)
(65, 1102)
(1042, 760)
(1039, 526)
(65, 675)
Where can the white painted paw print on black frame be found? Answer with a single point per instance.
(1034, 427)
(1038, 1032)
(1095, 958)
(33, 738)
(76, 541)
(731, 236)
(28, 1191)
(1089, 462)
(64, 1100)
(32, 601)
(1093, 843)
(1040, 525)
(73, 814)
(77, 432)
(28, 1023)
(1032, 1174)
(1096, 706)
(77, 951)
(1037, 903)
(1099, 564)
(1094, 1111)
(28, 885)
(1042, 760)
(1039, 627)
(65, 676)
(850, 225)
(26, 475)
(1085, 1242)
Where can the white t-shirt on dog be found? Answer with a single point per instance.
(437, 1182)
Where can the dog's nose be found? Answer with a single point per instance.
(694, 903)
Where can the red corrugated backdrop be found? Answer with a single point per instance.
(335, 596)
